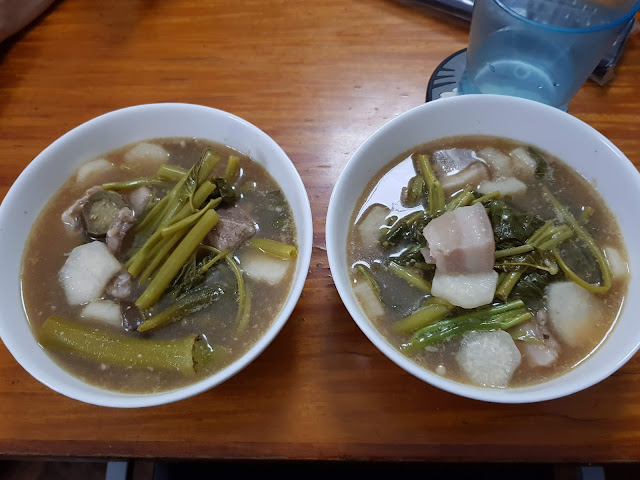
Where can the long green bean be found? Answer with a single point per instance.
(244, 295)
(174, 262)
(148, 253)
(479, 320)
(365, 271)
(274, 248)
(582, 234)
(171, 172)
(415, 189)
(182, 307)
(487, 197)
(462, 199)
(507, 252)
(410, 277)
(131, 184)
(232, 171)
(65, 336)
(422, 317)
(434, 188)
(213, 261)
(190, 220)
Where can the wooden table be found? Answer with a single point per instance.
(319, 77)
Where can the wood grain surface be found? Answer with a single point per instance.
(319, 77)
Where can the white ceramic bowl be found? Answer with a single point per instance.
(44, 175)
(557, 132)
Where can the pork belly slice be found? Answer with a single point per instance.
(489, 358)
(461, 241)
(467, 290)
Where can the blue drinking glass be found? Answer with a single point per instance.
(543, 50)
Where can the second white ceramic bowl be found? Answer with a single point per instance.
(557, 132)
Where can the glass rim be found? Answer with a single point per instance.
(596, 28)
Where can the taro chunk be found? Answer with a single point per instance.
(489, 358)
(368, 299)
(573, 312)
(87, 271)
(458, 168)
(369, 225)
(499, 163)
(506, 186)
(617, 265)
(468, 290)
(451, 161)
(105, 311)
(92, 169)
(264, 268)
(524, 163)
(470, 177)
(146, 154)
(461, 241)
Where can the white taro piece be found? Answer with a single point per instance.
(489, 358)
(87, 271)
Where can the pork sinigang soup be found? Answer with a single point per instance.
(158, 264)
(487, 262)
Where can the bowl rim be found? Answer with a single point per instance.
(92, 394)
(518, 395)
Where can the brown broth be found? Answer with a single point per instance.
(50, 241)
(401, 300)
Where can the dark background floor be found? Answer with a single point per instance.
(148, 470)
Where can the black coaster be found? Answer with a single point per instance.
(446, 76)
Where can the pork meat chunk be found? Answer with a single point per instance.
(71, 217)
(119, 228)
(232, 230)
(120, 286)
(538, 346)
(461, 241)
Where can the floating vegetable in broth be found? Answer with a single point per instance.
(146, 271)
(483, 260)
